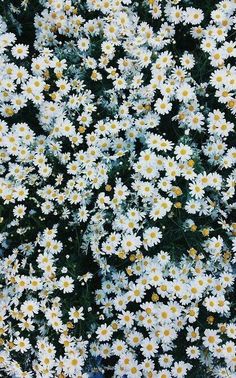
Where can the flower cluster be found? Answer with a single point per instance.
(157, 303)
(117, 185)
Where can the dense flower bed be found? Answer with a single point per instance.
(117, 185)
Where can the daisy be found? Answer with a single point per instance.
(196, 190)
(149, 347)
(20, 51)
(66, 284)
(180, 369)
(131, 242)
(21, 344)
(19, 211)
(193, 352)
(211, 339)
(76, 314)
(29, 308)
(152, 236)
(185, 93)
(183, 152)
(163, 106)
(126, 319)
(104, 333)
